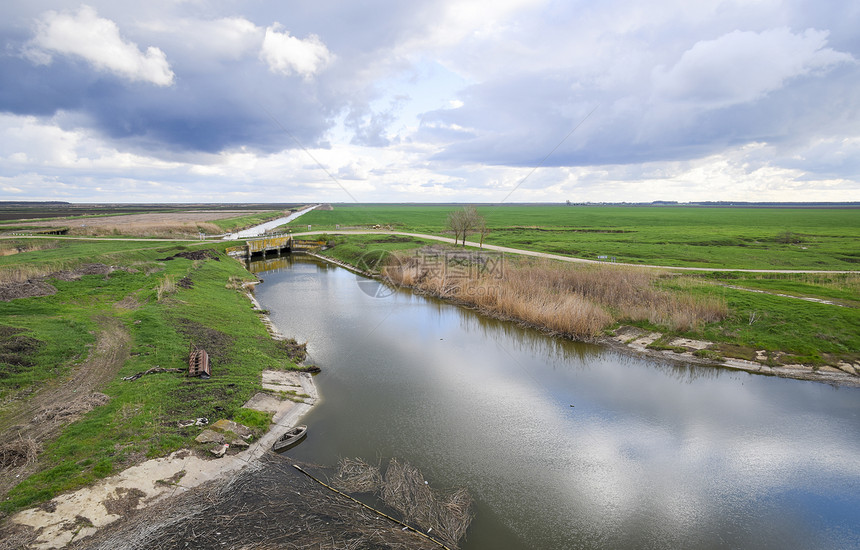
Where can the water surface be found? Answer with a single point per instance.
(567, 445)
(263, 228)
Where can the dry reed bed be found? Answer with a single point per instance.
(576, 301)
(10, 247)
(154, 229)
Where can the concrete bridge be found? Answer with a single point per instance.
(275, 244)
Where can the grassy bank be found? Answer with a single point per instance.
(584, 301)
(157, 302)
(366, 251)
(741, 238)
(792, 329)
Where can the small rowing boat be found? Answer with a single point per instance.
(291, 437)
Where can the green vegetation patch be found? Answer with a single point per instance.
(741, 238)
(367, 251)
(843, 288)
(811, 332)
(161, 326)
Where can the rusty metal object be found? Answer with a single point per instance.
(198, 363)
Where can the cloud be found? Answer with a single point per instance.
(436, 99)
(97, 41)
(744, 66)
(226, 38)
(288, 55)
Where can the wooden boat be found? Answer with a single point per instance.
(290, 438)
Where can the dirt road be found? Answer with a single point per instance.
(43, 415)
(556, 256)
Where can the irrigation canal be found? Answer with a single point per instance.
(567, 445)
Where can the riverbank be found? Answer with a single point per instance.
(639, 341)
(642, 342)
(76, 515)
(239, 511)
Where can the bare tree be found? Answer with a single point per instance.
(482, 228)
(464, 221)
(457, 224)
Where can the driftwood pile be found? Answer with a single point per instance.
(444, 515)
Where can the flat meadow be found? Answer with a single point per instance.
(735, 238)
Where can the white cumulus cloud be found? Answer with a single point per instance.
(229, 38)
(288, 55)
(744, 66)
(84, 34)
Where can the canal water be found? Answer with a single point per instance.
(263, 228)
(568, 445)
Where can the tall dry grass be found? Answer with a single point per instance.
(155, 229)
(165, 287)
(21, 272)
(577, 301)
(10, 247)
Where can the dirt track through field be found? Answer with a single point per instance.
(43, 415)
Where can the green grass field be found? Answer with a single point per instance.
(738, 238)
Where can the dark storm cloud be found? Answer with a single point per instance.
(214, 103)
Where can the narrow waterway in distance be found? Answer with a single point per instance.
(263, 228)
(567, 445)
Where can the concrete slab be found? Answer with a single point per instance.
(279, 380)
(264, 402)
(688, 343)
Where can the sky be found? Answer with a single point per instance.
(429, 101)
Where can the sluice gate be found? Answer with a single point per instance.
(275, 244)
